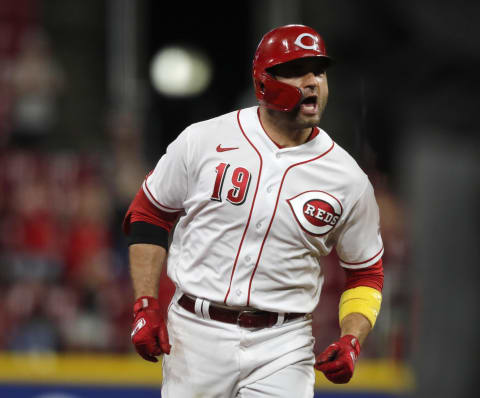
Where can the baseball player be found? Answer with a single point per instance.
(258, 196)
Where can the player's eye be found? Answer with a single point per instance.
(298, 68)
(318, 70)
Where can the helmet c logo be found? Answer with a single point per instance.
(313, 46)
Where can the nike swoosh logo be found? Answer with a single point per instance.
(220, 149)
(140, 324)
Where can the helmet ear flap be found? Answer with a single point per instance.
(262, 88)
(279, 96)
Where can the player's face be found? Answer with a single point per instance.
(308, 74)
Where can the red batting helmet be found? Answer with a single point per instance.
(278, 46)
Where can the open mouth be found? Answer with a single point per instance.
(311, 100)
(309, 104)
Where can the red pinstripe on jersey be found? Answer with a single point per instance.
(275, 210)
(251, 208)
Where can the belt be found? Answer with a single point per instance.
(242, 318)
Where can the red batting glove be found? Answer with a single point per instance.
(149, 333)
(338, 360)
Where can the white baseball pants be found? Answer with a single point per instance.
(211, 359)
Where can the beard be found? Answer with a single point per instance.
(302, 121)
(297, 119)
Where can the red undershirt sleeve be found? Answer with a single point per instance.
(371, 276)
(146, 223)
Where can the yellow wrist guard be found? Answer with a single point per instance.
(362, 299)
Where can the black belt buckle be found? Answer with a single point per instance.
(254, 319)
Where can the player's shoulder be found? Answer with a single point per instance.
(196, 137)
(211, 127)
(348, 167)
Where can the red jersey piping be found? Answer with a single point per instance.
(315, 131)
(251, 208)
(156, 202)
(275, 210)
(363, 262)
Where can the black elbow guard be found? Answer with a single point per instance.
(143, 232)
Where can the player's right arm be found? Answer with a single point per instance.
(147, 224)
(146, 262)
(148, 237)
(149, 332)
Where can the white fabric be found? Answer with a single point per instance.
(263, 252)
(205, 309)
(198, 307)
(217, 360)
(280, 319)
(359, 229)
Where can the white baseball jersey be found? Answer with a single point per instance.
(257, 218)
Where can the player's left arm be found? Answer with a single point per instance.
(357, 325)
(360, 251)
(358, 310)
(361, 300)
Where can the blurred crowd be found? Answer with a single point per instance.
(63, 278)
(63, 271)
(64, 282)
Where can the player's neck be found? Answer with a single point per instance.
(281, 131)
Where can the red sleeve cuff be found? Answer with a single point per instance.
(371, 276)
(142, 210)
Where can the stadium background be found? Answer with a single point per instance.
(81, 124)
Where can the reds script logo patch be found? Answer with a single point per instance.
(316, 212)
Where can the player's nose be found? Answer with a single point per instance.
(309, 80)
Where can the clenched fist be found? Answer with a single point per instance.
(149, 333)
(337, 362)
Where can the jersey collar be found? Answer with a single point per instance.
(319, 141)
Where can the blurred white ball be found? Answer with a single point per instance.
(180, 72)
